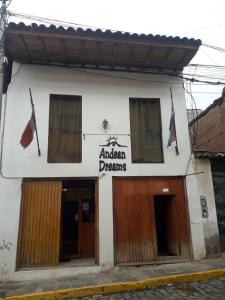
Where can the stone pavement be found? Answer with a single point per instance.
(118, 274)
(210, 289)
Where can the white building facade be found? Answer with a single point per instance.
(107, 198)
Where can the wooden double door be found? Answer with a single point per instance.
(55, 224)
(150, 220)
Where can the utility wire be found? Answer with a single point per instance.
(151, 81)
(216, 63)
(214, 47)
(58, 22)
(69, 24)
(202, 28)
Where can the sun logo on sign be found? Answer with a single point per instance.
(112, 141)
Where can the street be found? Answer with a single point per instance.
(211, 289)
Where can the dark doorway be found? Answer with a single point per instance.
(218, 175)
(77, 220)
(166, 225)
(70, 224)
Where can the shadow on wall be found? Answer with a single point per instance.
(212, 245)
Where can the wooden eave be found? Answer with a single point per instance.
(38, 44)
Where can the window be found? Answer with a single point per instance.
(146, 131)
(64, 141)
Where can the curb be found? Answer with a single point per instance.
(119, 286)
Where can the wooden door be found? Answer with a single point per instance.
(39, 234)
(172, 226)
(133, 231)
(87, 224)
(138, 224)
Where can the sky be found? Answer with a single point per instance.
(200, 19)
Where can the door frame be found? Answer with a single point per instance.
(95, 179)
(160, 259)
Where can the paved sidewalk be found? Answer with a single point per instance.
(210, 289)
(118, 274)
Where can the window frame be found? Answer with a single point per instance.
(141, 161)
(81, 119)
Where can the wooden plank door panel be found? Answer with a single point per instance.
(132, 217)
(172, 227)
(135, 238)
(39, 224)
(87, 224)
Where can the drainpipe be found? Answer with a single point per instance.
(2, 50)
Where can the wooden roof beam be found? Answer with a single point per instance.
(26, 48)
(82, 52)
(66, 60)
(98, 46)
(167, 55)
(44, 49)
(147, 56)
(130, 55)
(114, 51)
(185, 59)
(159, 43)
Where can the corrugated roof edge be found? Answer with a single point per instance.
(99, 32)
(208, 154)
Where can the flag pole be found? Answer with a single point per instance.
(176, 146)
(35, 124)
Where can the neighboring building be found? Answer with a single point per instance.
(106, 190)
(208, 135)
(193, 113)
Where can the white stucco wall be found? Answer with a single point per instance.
(102, 98)
(205, 186)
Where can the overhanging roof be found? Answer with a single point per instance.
(39, 44)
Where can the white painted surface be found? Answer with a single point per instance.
(210, 224)
(196, 223)
(10, 194)
(102, 98)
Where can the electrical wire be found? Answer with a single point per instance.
(184, 76)
(195, 129)
(59, 22)
(212, 93)
(200, 82)
(203, 28)
(205, 66)
(214, 47)
(9, 3)
(210, 58)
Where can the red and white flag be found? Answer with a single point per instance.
(28, 133)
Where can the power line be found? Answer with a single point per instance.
(198, 92)
(149, 81)
(216, 63)
(205, 66)
(69, 24)
(58, 22)
(214, 47)
(204, 27)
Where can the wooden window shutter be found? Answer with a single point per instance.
(146, 131)
(64, 142)
(39, 235)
